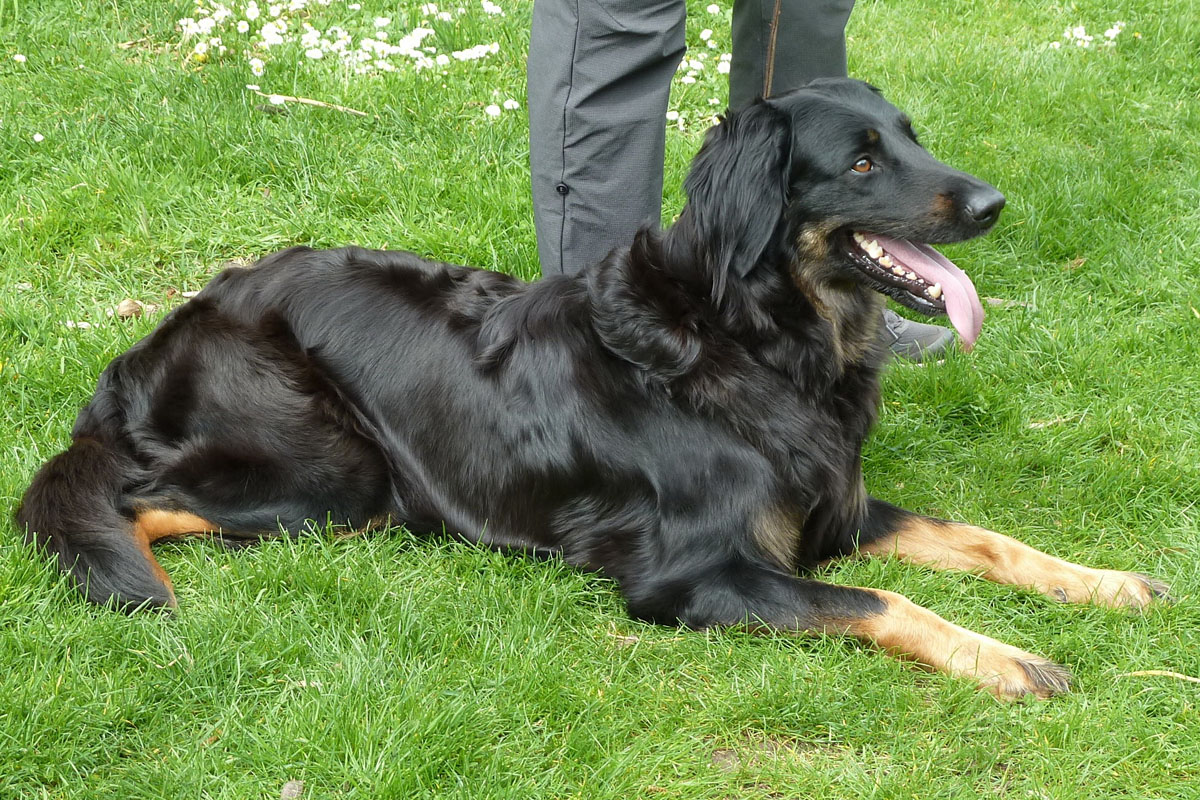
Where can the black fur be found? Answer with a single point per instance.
(661, 417)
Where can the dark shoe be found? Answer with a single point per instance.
(915, 341)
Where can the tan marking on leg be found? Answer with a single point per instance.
(906, 630)
(776, 532)
(156, 523)
(377, 523)
(999, 558)
(143, 534)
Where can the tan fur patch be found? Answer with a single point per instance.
(999, 558)
(943, 206)
(813, 243)
(156, 523)
(851, 310)
(776, 532)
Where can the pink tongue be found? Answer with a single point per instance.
(962, 301)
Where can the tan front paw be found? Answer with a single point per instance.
(1009, 672)
(1111, 589)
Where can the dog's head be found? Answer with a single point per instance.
(830, 183)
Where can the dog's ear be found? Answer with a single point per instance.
(737, 188)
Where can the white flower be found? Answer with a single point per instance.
(442, 60)
(713, 101)
(713, 8)
(382, 22)
(1055, 45)
(275, 10)
(252, 11)
(723, 68)
(254, 87)
(511, 105)
(355, 6)
(492, 111)
(445, 16)
(689, 78)
(429, 9)
(276, 99)
(201, 48)
(478, 51)
(314, 53)
(257, 67)
(243, 26)
(672, 115)
(491, 8)
(37, 137)
(20, 59)
(705, 34)
(726, 56)
(272, 34)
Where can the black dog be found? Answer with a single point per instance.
(686, 416)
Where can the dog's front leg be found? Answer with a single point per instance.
(763, 598)
(939, 544)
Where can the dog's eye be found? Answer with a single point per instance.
(863, 165)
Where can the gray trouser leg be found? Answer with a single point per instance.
(780, 45)
(599, 78)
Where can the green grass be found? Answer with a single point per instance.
(392, 667)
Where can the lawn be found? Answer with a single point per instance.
(134, 165)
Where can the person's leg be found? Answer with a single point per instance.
(779, 45)
(599, 79)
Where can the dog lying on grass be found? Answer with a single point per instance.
(687, 415)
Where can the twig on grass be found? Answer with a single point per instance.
(1163, 673)
(308, 101)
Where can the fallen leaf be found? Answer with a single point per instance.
(291, 790)
(129, 308)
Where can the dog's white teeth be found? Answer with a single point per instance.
(934, 291)
(898, 271)
(912, 276)
(873, 249)
(858, 237)
(886, 261)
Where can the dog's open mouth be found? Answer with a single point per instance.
(921, 278)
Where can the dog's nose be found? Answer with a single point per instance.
(983, 206)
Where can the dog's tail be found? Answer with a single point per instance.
(74, 511)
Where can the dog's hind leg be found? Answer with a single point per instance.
(951, 545)
(763, 599)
